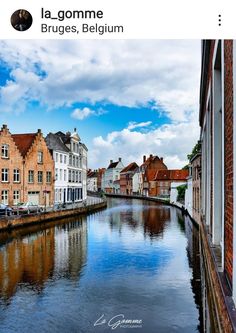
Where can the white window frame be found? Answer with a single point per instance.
(5, 151)
(5, 175)
(16, 175)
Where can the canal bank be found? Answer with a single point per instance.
(12, 222)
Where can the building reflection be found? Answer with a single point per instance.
(29, 260)
(155, 220)
(152, 218)
(193, 255)
(70, 249)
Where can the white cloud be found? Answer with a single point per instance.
(82, 113)
(172, 142)
(126, 73)
(133, 125)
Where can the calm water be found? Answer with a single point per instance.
(135, 260)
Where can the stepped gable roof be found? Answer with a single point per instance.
(24, 141)
(131, 167)
(171, 174)
(113, 165)
(55, 142)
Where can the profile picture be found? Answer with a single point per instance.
(21, 20)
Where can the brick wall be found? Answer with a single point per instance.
(31, 163)
(228, 156)
(14, 161)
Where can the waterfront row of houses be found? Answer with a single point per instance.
(42, 170)
(151, 178)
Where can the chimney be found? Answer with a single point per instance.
(161, 158)
(144, 158)
(75, 129)
(39, 131)
(119, 159)
(111, 161)
(151, 155)
(4, 126)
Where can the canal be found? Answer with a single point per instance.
(133, 267)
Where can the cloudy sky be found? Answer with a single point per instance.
(126, 98)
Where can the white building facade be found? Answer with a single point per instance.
(70, 156)
(111, 175)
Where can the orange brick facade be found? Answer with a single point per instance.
(24, 159)
(14, 161)
(228, 156)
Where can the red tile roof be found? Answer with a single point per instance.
(24, 141)
(149, 174)
(131, 167)
(171, 175)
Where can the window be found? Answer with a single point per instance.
(61, 158)
(56, 174)
(69, 176)
(40, 157)
(48, 177)
(65, 159)
(5, 175)
(65, 175)
(5, 151)
(56, 157)
(60, 174)
(40, 177)
(5, 197)
(76, 176)
(31, 176)
(16, 175)
(70, 160)
(16, 197)
(80, 178)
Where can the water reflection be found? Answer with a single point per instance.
(135, 258)
(30, 259)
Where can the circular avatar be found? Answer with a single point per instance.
(21, 20)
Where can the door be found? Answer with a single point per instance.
(33, 197)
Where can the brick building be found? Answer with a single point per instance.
(165, 178)
(148, 169)
(27, 168)
(126, 175)
(196, 187)
(217, 119)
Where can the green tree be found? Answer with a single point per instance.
(181, 192)
(196, 149)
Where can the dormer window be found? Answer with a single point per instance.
(5, 151)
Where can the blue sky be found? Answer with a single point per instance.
(126, 98)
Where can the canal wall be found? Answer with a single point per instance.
(218, 306)
(29, 220)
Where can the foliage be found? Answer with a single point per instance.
(196, 149)
(181, 192)
(186, 167)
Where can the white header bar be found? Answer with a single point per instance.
(107, 19)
